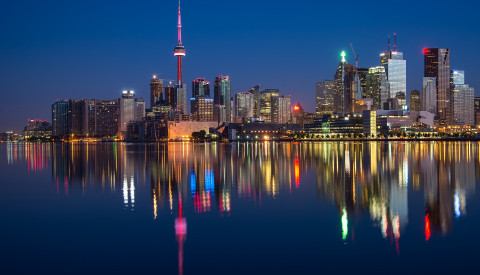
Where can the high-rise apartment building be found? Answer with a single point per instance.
(463, 99)
(266, 103)
(415, 102)
(130, 109)
(61, 118)
(281, 109)
(222, 95)
(255, 91)
(437, 65)
(324, 101)
(156, 90)
(200, 87)
(171, 95)
(245, 105)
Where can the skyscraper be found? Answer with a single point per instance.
(266, 103)
(344, 86)
(179, 52)
(171, 95)
(395, 69)
(222, 96)
(130, 109)
(437, 64)
(463, 99)
(377, 87)
(244, 103)
(61, 119)
(429, 94)
(200, 87)
(281, 109)
(415, 102)
(324, 98)
(255, 90)
(156, 90)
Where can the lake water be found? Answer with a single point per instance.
(240, 208)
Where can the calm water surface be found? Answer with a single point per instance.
(248, 208)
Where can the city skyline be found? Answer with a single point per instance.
(53, 82)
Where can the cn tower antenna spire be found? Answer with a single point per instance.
(179, 24)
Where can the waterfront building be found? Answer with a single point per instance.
(245, 105)
(37, 128)
(324, 101)
(222, 97)
(61, 118)
(437, 65)
(415, 102)
(130, 109)
(156, 90)
(106, 118)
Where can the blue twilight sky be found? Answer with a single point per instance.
(53, 50)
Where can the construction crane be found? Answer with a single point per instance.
(357, 92)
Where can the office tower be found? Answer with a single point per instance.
(362, 77)
(324, 102)
(377, 87)
(437, 64)
(200, 87)
(395, 69)
(255, 91)
(106, 118)
(344, 86)
(244, 103)
(202, 108)
(457, 77)
(463, 99)
(415, 102)
(61, 119)
(476, 106)
(401, 100)
(222, 95)
(429, 94)
(281, 109)
(156, 90)
(171, 95)
(266, 103)
(179, 52)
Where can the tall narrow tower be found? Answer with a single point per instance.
(179, 52)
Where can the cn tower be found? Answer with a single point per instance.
(179, 52)
(179, 49)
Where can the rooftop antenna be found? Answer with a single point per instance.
(395, 41)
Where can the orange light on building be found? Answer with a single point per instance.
(296, 108)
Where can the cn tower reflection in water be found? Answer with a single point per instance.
(373, 179)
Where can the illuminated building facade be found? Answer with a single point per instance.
(396, 72)
(463, 99)
(202, 108)
(281, 109)
(344, 86)
(266, 103)
(415, 101)
(376, 87)
(324, 102)
(171, 95)
(437, 65)
(130, 109)
(61, 118)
